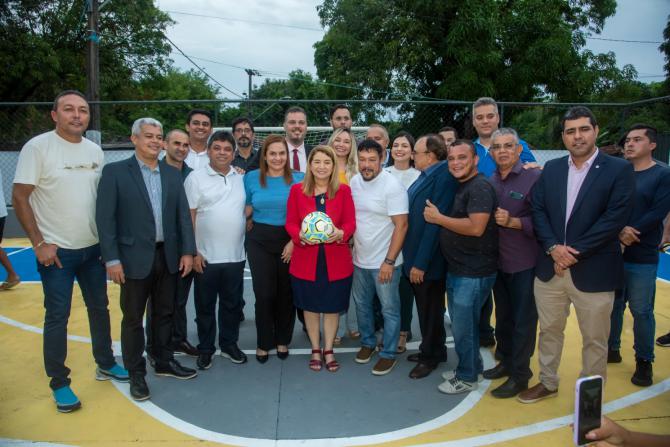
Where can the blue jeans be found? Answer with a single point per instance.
(639, 291)
(86, 267)
(363, 289)
(465, 298)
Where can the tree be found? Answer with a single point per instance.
(42, 46)
(512, 50)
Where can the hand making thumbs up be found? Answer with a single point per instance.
(431, 213)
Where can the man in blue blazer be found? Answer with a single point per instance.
(146, 239)
(580, 204)
(423, 263)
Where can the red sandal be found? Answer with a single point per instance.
(333, 365)
(314, 364)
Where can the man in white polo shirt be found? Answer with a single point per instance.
(54, 195)
(217, 199)
(381, 223)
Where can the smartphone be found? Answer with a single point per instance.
(588, 407)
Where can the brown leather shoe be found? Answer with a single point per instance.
(535, 394)
(421, 370)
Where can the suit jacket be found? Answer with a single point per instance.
(422, 244)
(125, 220)
(338, 255)
(601, 210)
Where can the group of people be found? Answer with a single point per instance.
(412, 220)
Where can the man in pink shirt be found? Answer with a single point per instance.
(580, 204)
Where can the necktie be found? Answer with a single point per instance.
(296, 160)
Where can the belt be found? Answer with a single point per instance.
(159, 245)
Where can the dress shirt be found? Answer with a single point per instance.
(302, 156)
(576, 178)
(152, 180)
(518, 249)
(422, 177)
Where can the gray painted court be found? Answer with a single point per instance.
(286, 400)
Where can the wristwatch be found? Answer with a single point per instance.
(389, 261)
(550, 249)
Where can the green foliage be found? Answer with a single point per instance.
(43, 47)
(517, 50)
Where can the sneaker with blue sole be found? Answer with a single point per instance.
(66, 400)
(116, 373)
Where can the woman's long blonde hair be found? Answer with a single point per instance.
(352, 159)
(309, 183)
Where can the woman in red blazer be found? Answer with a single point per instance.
(321, 272)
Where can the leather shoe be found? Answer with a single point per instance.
(413, 357)
(496, 372)
(536, 394)
(204, 361)
(138, 388)
(509, 389)
(262, 358)
(421, 370)
(187, 348)
(174, 369)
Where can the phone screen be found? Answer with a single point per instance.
(590, 407)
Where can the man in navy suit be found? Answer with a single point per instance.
(423, 263)
(580, 204)
(146, 239)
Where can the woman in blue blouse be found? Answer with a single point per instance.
(269, 247)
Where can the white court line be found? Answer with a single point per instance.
(461, 409)
(24, 443)
(116, 346)
(19, 250)
(553, 424)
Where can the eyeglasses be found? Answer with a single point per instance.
(243, 131)
(509, 147)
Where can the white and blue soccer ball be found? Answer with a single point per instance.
(317, 226)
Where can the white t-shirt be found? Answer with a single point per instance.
(197, 160)
(65, 176)
(375, 202)
(406, 176)
(220, 224)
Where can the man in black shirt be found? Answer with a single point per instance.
(469, 243)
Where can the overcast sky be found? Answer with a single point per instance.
(233, 34)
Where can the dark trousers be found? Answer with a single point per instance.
(160, 285)
(430, 308)
(224, 281)
(179, 329)
(85, 266)
(275, 314)
(485, 328)
(516, 321)
(406, 304)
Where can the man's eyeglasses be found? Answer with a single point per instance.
(243, 131)
(509, 147)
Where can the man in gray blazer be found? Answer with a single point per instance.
(146, 239)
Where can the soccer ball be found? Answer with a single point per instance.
(317, 226)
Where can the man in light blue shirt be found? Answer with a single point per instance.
(486, 119)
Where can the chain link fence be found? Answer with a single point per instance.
(537, 123)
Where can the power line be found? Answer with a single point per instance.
(200, 68)
(624, 40)
(246, 21)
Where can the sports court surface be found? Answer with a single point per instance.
(283, 403)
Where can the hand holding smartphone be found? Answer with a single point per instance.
(588, 407)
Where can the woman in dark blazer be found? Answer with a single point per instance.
(321, 272)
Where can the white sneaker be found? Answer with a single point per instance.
(457, 386)
(451, 374)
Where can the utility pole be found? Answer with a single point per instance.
(93, 71)
(251, 72)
